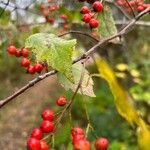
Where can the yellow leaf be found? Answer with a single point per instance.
(124, 104)
(122, 100)
(143, 136)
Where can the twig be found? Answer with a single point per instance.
(138, 23)
(125, 30)
(69, 104)
(79, 32)
(130, 8)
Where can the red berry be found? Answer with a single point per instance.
(84, 10)
(48, 115)
(132, 3)
(47, 126)
(77, 131)
(140, 8)
(64, 17)
(25, 52)
(61, 101)
(97, 6)
(101, 144)
(31, 70)
(33, 144)
(37, 133)
(86, 18)
(82, 144)
(44, 145)
(38, 67)
(77, 137)
(51, 20)
(94, 23)
(25, 62)
(18, 53)
(120, 3)
(12, 50)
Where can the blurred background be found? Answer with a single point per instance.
(130, 60)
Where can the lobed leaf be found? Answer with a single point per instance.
(57, 52)
(87, 83)
(107, 24)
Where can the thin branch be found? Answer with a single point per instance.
(117, 22)
(79, 32)
(68, 106)
(125, 30)
(138, 23)
(27, 86)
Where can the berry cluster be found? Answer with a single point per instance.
(137, 5)
(64, 23)
(78, 139)
(49, 9)
(80, 142)
(35, 141)
(89, 14)
(25, 62)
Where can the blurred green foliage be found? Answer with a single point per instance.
(135, 52)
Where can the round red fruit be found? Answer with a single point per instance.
(12, 50)
(47, 126)
(86, 18)
(101, 144)
(48, 115)
(77, 137)
(77, 131)
(84, 10)
(132, 3)
(140, 8)
(31, 70)
(64, 17)
(97, 6)
(82, 144)
(18, 53)
(44, 145)
(33, 144)
(94, 23)
(38, 67)
(25, 52)
(25, 62)
(61, 101)
(37, 133)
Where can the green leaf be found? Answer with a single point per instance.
(5, 17)
(63, 135)
(87, 83)
(107, 24)
(57, 52)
